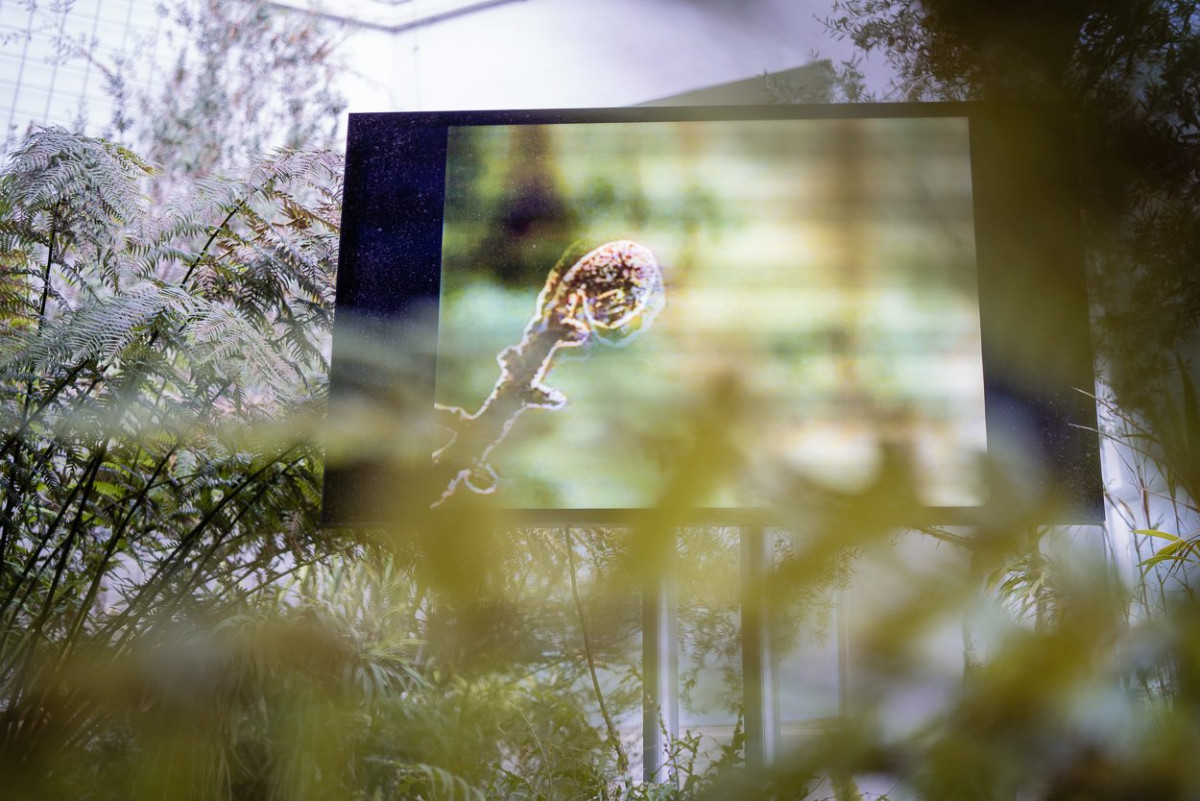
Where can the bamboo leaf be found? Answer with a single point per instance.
(1155, 533)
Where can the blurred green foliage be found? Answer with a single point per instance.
(174, 624)
(1126, 73)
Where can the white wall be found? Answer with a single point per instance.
(442, 54)
(585, 53)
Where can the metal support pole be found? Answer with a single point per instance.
(760, 679)
(660, 669)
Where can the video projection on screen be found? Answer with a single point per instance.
(827, 265)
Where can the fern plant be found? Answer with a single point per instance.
(136, 346)
(147, 358)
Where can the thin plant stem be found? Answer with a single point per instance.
(613, 736)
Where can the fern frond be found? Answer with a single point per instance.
(79, 190)
(431, 781)
(97, 331)
(217, 335)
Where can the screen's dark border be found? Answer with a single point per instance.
(1037, 356)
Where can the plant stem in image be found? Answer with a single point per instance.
(609, 295)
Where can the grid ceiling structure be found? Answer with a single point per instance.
(56, 58)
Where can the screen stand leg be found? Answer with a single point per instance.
(759, 677)
(660, 668)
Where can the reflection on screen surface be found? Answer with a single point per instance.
(828, 265)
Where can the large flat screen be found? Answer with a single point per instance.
(903, 279)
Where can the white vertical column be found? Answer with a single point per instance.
(760, 680)
(660, 670)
